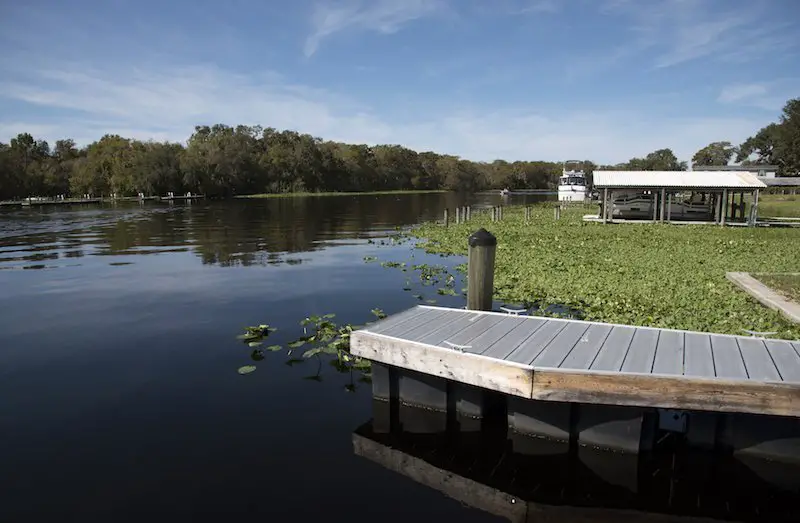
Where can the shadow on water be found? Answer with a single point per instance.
(543, 480)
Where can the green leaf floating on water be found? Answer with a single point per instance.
(247, 369)
(297, 343)
(311, 352)
(255, 343)
(274, 348)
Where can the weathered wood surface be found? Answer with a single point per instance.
(765, 295)
(587, 362)
(494, 501)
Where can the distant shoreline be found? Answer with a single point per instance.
(353, 193)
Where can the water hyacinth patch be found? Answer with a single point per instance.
(660, 275)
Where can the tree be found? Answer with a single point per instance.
(762, 145)
(777, 143)
(716, 153)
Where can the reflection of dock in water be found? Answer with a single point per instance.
(540, 480)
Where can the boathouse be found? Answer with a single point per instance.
(678, 196)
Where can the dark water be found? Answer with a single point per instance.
(119, 393)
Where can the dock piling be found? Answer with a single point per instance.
(480, 270)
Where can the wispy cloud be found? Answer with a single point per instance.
(770, 96)
(382, 16)
(167, 103)
(674, 32)
(540, 6)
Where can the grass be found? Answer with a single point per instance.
(670, 276)
(786, 284)
(364, 193)
(774, 205)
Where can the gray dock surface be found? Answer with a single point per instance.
(588, 362)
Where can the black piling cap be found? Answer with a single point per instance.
(482, 238)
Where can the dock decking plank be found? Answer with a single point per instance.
(495, 333)
(585, 351)
(526, 351)
(465, 336)
(728, 360)
(502, 347)
(757, 360)
(613, 351)
(642, 352)
(786, 359)
(559, 347)
(669, 353)
(417, 322)
(445, 330)
(395, 319)
(698, 359)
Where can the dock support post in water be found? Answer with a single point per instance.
(557, 212)
(663, 202)
(527, 214)
(470, 401)
(382, 385)
(539, 427)
(446, 218)
(480, 270)
(423, 403)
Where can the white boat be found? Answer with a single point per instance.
(572, 183)
(639, 204)
(505, 192)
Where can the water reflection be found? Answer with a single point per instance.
(228, 234)
(534, 483)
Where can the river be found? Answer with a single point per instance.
(120, 398)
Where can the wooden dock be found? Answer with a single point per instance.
(624, 378)
(555, 359)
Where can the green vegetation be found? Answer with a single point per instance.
(786, 284)
(365, 193)
(779, 205)
(645, 274)
(322, 337)
(224, 161)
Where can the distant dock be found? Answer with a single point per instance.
(38, 202)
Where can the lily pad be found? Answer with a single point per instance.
(247, 369)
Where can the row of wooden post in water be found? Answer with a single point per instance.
(463, 213)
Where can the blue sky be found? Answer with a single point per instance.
(484, 79)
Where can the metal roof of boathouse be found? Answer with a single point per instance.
(742, 180)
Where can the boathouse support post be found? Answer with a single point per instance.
(604, 207)
(669, 207)
(723, 206)
(755, 209)
(446, 218)
(458, 215)
(663, 202)
(655, 205)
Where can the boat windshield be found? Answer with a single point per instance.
(572, 180)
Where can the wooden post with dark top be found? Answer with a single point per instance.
(480, 270)
(446, 218)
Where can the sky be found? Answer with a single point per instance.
(604, 80)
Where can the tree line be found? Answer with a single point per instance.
(223, 161)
